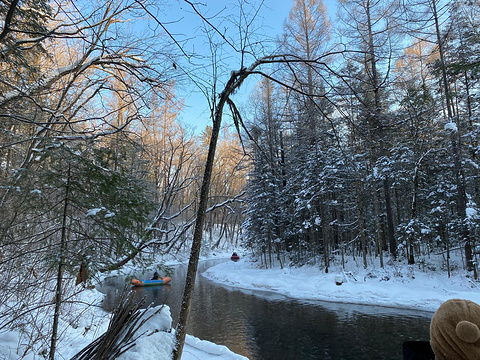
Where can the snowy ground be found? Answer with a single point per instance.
(395, 285)
(85, 323)
(156, 343)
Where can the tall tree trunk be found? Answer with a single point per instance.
(282, 161)
(378, 225)
(389, 212)
(376, 128)
(61, 268)
(361, 221)
(473, 141)
(456, 150)
(197, 237)
(413, 217)
(325, 231)
(236, 79)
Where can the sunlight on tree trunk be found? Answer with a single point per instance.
(234, 82)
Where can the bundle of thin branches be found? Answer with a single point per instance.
(121, 333)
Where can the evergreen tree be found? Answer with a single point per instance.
(265, 226)
(463, 68)
(70, 218)
(369, 26)
(307, 35)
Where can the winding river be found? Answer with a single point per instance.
(263, 325)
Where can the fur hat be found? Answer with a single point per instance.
(454, 331)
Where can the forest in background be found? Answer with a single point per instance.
(374, 149)
(361, 138)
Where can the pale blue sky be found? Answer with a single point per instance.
(269, 24)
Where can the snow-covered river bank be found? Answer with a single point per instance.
(252, 310)
(418, 294)
(398, 286)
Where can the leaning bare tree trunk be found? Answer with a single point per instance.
(236, 79)
(234, 82)
(197, 241)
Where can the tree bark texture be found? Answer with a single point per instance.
(234, 82)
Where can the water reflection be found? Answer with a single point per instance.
(263, 325)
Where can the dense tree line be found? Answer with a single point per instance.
(375, 149)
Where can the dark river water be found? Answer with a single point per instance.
(263, 325)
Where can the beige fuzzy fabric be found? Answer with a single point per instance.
(454, 330)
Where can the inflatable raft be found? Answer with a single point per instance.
(149, 282)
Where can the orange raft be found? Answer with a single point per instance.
(150, 282)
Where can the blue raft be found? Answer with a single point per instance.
(149, 282)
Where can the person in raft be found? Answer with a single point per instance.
(455, 330)
(155, 276)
